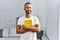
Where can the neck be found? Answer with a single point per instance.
(28, 15)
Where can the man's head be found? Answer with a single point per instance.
(28, 8)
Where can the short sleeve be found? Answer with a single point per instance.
(19, 21)
(36, 20)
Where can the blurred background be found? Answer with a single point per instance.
(46, 10)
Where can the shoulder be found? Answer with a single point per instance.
(36, 20)
(22, 17)
(35, 17)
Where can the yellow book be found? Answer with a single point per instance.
(28, 23)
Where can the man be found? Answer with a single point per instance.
(28, 29)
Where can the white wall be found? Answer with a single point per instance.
(52, 17)
(9, 10)
(59, 23)
(59, 19)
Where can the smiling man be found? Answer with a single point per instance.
(28, 25)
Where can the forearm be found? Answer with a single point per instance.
(20, 31)
(33, 29)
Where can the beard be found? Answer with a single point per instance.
(28, 12)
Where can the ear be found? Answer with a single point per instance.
(24, 8)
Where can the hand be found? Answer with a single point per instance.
(24, 27)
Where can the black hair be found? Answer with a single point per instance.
(27, 3)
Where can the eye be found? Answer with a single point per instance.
(30, 7)
(27, 7)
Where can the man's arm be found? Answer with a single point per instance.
(35, 28)
(19, 30)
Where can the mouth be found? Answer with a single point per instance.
(28, 11)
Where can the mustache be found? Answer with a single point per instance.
(27, 10)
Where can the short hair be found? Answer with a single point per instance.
(27, 3)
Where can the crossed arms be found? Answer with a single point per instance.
(34, 28)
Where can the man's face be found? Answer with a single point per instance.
(28, 8)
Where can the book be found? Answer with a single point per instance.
(28, 23)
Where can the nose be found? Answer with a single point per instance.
(29, 9)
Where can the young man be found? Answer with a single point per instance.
(28, 25)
